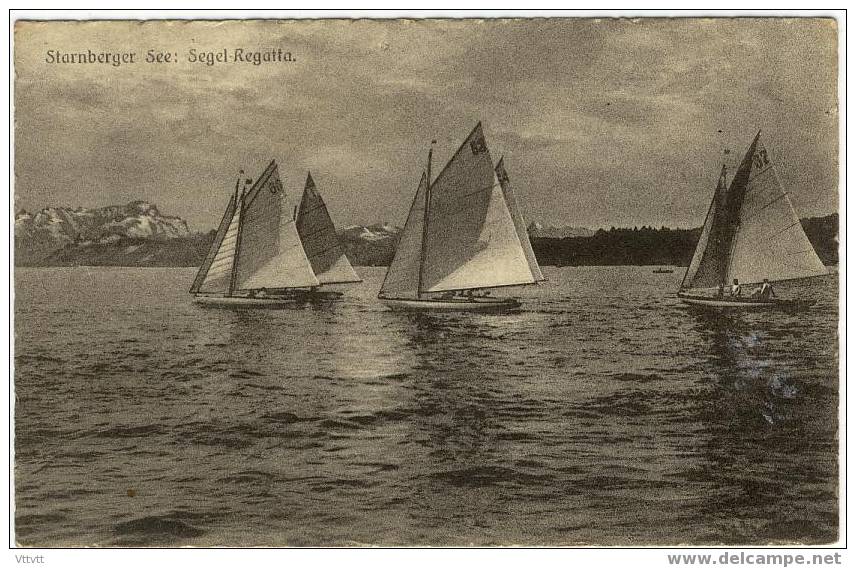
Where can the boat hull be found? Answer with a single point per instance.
(742, 303)
(491, 305)
(272, 302)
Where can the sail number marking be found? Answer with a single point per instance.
(760, 158)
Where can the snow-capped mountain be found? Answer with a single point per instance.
(538, 231)
(370, 232)
(53, 228)
(372, 245)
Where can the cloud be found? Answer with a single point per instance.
(602, 122)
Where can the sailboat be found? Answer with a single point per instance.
(263, 257)
(751, 233)
(464, 235)
(321, 243)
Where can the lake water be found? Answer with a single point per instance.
(604, 413)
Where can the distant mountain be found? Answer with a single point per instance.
(131, 251)
(372, 245)
(137, 234)
(538, 231)
(40, 235)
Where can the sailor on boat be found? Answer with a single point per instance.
(736, 290)
(765, 291)
(751, 232)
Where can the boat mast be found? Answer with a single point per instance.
(240, 206)
(744, 170)
(724, 278)
(425, 222)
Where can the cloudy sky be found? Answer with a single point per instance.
(601, 122)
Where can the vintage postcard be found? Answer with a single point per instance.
(470, 281)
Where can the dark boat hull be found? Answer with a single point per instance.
(483, 305)
(742, 303)
(279, 301)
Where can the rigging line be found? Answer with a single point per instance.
(800, 252)
(759, 174)
(776, 234)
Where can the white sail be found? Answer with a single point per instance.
(769, 241)
(471, 240)
(402, 277)
(270, 253)
(225, 222)
(325, 251)
(519, 223)
(219, 275)
(288, 269)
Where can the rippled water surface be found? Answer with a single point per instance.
(604, 413)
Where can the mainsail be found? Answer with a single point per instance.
(770, 241)
(754, 231)
(325, 251)
(464, 230)
(471, 239)
(269, 252)
(256, 245)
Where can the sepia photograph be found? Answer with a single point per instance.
(468, 281)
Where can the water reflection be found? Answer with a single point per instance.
(756, 434)
(752, 385)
